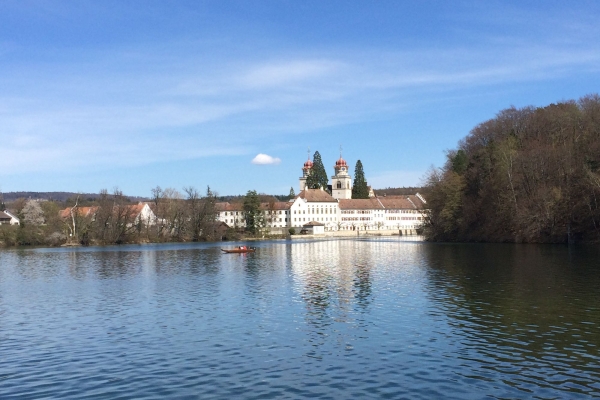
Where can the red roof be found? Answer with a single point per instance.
(316, 195)
(80, 211)
(340, 163)
(402, 202)
(313, 223)
(278, 205)
(134, 209)
(360, 204)
(225, 206)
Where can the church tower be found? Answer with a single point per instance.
(305, 171)
(341, 186)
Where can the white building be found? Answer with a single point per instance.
(8, 218)
(337, 211)
(313, 228)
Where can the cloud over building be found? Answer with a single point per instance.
(265, 159)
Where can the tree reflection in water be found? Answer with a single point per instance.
(527, 314)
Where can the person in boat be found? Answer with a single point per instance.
(242, 247)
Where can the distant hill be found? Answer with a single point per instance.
(90, 197)
(398, 191)
(264, 198)
(57, 196)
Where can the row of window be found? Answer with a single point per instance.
(273, 212)
(316, 219)
(316, 211)
(326, 211)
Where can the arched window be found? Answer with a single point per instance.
(339, 185)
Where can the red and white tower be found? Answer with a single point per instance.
(305, 171)
(341, 182)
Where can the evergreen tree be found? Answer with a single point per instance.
(292, 193)
(459, 161)
(252, 212)
(359, 188)
(317, 178)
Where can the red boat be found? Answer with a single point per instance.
(240, 249)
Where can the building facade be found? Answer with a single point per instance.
(336, 212)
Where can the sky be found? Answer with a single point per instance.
(236, 94)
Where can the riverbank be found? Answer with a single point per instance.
(358, 233)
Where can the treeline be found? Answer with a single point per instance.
(528, 175)
(112, 218)
(265, 198)
(56, 196)
(403, 191)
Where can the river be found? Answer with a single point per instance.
(390, 318)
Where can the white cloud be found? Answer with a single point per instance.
(265, 159)
(281, 73)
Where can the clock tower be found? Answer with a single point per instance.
(341, 186)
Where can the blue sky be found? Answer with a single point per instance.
(135, 94)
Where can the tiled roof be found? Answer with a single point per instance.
(134, 209)
(81, 211)
(4, 216)
(279, 205)
(396, 202)
(316, 195)
(225, 206)
(276, 206)
(313, 223)
(360, 204)
(416, 201)
(411, 202)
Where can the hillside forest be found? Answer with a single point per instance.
(528, 175)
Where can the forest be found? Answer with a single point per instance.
(529, 175)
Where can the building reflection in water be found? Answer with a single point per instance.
(335, 279)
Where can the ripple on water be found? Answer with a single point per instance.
(377, 318)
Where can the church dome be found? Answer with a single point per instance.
(308, 164)
(340, 163)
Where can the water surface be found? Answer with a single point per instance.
(378, 318)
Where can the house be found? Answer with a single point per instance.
(314, 205)
(276, 214)
(7, 218)
(313, 228)
(143, 213)
(140, 212)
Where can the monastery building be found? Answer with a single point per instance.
(316, 208)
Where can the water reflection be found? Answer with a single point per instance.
(362, 286)
(528, 314)
(383, 317)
